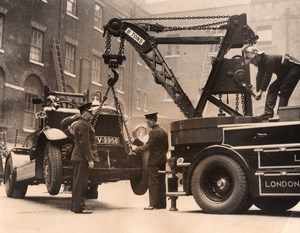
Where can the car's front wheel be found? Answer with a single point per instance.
(52, 168)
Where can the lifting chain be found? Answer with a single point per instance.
(122, 123)
(178, 18)
(99, 109)
(121, 118)
(221, 112)
(243, 103)
(208, 26)
(237, 102)
(107, 43)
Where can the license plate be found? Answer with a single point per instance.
(108, 140)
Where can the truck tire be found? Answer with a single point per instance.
(52, 168)
(219, 185)
(139, 184)
(275, 204)
(12, 188)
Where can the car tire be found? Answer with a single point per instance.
(52, 168)
(12, 188)
(139, 184)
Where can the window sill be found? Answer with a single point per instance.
(172, 55)
(121, 92)
(71, 15)
(69, 74)
(97, 84)
(37, 63)
(98, 29)
(1, 51)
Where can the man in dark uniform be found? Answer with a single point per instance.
(287, 70)
(83, 157)
(157, 145)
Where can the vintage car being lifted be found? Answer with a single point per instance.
(45, 154)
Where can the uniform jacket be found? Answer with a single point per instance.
(85, 144)
(271, 64)
(67, 122)
(157, 145)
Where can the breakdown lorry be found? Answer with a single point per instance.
(231, 161)
(227, 163)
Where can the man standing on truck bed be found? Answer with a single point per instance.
(157, 145)
(83, 157)
(287, 70)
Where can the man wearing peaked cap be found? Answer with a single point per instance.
(85, 107)
(157, 145)
(287, 71)
(83, 156)
(151, 116)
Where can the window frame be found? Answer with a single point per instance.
(69, 65)
(36, 46)
(98, 19)
(96, 73)
(73, 5)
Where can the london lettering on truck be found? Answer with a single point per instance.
(134, 36)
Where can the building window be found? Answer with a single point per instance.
(172, 50)
(138, 99)
(145, 99)
(98, 17)
(71, 7)
(36, 47)
(265, 35)
(29, 112)
(70, 59)
(1, 30)
(96, 69)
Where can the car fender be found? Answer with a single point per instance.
(19, 156)
(53, 134)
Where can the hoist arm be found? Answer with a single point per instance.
(144, 44)
(237, 34)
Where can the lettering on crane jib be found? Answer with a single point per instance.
(134, 36)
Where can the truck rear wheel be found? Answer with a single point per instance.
(275, 204)
(52, 169)
(219, 185)
(12, 188)
(139, 184)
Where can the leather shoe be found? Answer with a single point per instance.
(149, 208)
(84, 211)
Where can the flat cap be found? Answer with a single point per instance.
(85, 107)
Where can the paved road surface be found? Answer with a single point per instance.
(118, 210)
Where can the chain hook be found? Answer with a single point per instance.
(112, 80)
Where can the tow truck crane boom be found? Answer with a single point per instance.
(237, 34)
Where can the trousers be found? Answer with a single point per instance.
(80, 185)
(157, 187)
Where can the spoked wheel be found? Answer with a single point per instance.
(52, 169)
(12, 188)
(275, 204)
(219, 185)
